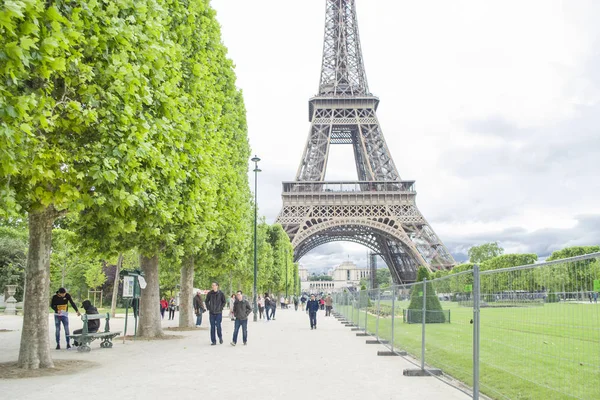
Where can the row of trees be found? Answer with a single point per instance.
(121, 125)
(562, 277)
(81, 270)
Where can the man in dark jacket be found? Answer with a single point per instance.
(268, 304)
(311, 308)
(198, 308)
(93, 325)
(60, 305)
(215, 302)
(241, 311)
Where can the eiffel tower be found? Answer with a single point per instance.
(379, 210)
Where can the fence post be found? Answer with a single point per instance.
(367, 309)
(476, 332)
(353, 307)
(424, 318)
(378, 314)
(393, 317)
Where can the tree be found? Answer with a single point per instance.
(13, 256)
(574, 276)
(508, 281)
(99, 125)
(115, 290)
(434, 309)
(383, 278)
(481, 253)
(94, 277)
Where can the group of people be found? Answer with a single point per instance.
(215, 302)
(239, 309)
(60, 304)
(324, 302)
(170, 305)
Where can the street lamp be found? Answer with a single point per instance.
(286, 272)
(255, 160)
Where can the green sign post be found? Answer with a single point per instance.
(133, 282)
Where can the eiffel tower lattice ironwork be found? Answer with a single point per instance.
(379, 210)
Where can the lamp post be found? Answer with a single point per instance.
(286, 272)
(255, 160)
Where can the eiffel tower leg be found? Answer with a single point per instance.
(316, 152)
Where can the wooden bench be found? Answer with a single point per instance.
(85, 338)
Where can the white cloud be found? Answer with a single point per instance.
(492, 107)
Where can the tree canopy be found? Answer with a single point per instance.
(486, 251)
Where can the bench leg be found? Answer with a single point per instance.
(84, 348)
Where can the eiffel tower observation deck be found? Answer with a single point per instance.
(378, 210)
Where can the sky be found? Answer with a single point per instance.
(493, 107)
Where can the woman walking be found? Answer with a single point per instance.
(268, 306)
(261, 306)
(163, 306)
(231, 303)
(172, 307)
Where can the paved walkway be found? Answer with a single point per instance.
(284, 359)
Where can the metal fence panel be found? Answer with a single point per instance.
(538, 336)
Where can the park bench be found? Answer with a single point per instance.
(85, 338)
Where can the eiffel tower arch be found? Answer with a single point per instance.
(378, 210)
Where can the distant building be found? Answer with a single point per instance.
(303, 272)
(345, 275)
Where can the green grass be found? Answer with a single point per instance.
(549, 352)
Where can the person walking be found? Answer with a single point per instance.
(268, 302)
(311, 308)
(231, 302)
(241, 311)
(215, 303)
(282, 301)
(295, 302)
(172, 307)
(321, 303)
(163, 306)
(60, 305)
(303, 301)
(93, 324)
(198, 308)
(328, 305)
(261, 307)
(273, 306)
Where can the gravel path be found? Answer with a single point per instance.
(284, 359)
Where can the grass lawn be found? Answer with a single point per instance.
(547, 352)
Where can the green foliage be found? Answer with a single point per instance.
(13, 256)
(433, 306)
(518, 280)
(69, 262)
(571, 276)
(422, 274)
(383, 278)
(94, 276)
(573, 252)
(486, 251)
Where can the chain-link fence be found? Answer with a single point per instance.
(529, 332)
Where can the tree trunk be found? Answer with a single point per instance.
(186, 296)
(34, 352)
(150, 322)
(113, 305)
